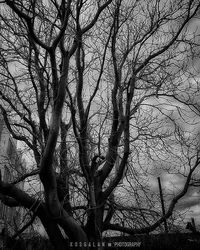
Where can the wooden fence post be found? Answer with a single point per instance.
(163, 205)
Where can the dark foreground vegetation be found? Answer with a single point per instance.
(178, 241)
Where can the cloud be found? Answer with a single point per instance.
(188, 202)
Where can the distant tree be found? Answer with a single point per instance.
(79, 85)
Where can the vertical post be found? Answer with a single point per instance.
(162, 203)
(193, 225)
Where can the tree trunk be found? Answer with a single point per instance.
(54, 232)
(95, 214)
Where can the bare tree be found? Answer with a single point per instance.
(79, 80)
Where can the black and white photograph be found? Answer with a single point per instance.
(99, 124)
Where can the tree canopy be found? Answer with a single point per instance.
(102, 96)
